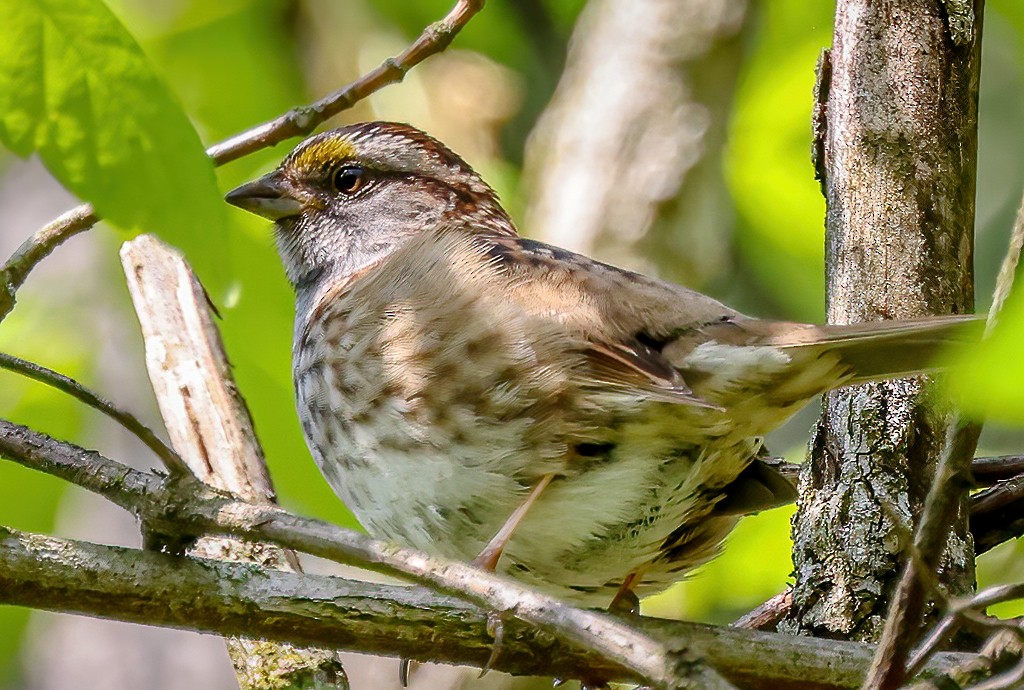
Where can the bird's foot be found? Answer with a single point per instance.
(496, 629)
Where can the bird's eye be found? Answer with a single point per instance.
(349, 179)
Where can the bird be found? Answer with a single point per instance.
(592, 432)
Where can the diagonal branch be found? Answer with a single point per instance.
(38, 247)
(303, 120)
(172, 461)
(997, 513)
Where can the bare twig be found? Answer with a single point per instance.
(38, 247)
(1004, 281)
(171, 460)
(988, 471)
(997, 513)
(1003, 649)
(183, 506)
(303, 120)
(296, 122)
(1011, 680)
(955, 616)
(952, 479)
(767, 615)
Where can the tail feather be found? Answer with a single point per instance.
(883, 349)
(735, 361)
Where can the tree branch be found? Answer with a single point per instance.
(303, 120)
(997, 514)
(902, 625)
(209, 423)
(233, 598)
(186, 507)
(989, 471)
(172, 461)
(38, 247)
(942, 632)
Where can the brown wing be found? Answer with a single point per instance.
(671, 343)
(623, 318)
(640, 368)
(817, 358)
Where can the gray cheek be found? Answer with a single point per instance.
(419, 210)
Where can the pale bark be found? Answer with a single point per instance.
(231, 598)
(211, 429)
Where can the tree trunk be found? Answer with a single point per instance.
(896, 139)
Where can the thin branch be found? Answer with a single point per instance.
(38, 247)
(767, 615)
(183, 506)
(988, 471)
(1010, 680)
(303, 120)
(1008, 270)
(902, 625)
(951, 481)
(1000, 495)
(296, 122)
(231, 598)
(997, 514)
(955, 616)
(171, 460)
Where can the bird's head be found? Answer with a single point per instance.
(348, 197)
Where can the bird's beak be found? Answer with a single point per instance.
(270, 196)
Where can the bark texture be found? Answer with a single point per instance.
(897, 121)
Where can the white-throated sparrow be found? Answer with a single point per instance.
(472, 393)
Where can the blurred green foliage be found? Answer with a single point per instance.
(233, 64)
(780, 230)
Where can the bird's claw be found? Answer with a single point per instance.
(496, 629)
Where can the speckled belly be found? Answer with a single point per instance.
(433, 441)
(447, 485)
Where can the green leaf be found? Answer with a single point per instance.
(76, 88)
(987, 379)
